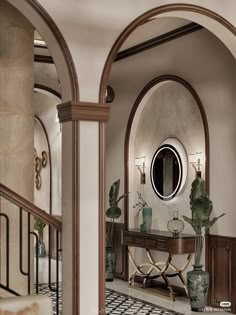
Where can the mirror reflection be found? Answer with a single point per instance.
(166, 172)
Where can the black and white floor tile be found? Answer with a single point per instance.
(121, 304)
(116, 303)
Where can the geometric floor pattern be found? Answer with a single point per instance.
(116, 303)
(119, 303)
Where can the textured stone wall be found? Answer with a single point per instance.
(16, 128)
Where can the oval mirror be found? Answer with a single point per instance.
(166, 172)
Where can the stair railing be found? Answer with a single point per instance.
(54, 226)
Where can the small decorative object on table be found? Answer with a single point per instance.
(146, 213)
(201, 207)
(175, 225)
(113, 212)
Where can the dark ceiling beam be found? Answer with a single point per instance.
(43, 59)
(158, 40)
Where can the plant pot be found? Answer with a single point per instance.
(197, 284)
(40, 250)
(110, 264)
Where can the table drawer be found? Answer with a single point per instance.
(133, 241)
(157, 244)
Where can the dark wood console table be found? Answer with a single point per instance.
(160, 241)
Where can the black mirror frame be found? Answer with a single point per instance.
(176, 191)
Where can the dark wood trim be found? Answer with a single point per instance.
(48, 89)
(62, 44)
(226, 283)
(83, 111)
(23, 203)
(128, 131)
(40, 46)
(159, 40)
(140, 20)
(75, 219)
(101, 228)
(43, 59)
(49, 159)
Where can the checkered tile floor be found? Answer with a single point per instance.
(116, 303)
(121, 304)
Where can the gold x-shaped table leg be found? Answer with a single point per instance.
(161, 268)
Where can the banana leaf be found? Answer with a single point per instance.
(114, 192)
(113, 212)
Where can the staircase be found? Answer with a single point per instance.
(27, 262)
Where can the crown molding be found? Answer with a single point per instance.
(74, 110)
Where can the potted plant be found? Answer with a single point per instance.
(39, 225)
(113, 212)
(201, 207)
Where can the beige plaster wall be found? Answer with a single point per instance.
(42, 195)
(16, 128)
(170, 111)
(46, 74)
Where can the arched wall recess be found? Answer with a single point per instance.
(56, 43)
(144, 93)
(199, 14)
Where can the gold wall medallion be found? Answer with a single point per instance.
(39, 163)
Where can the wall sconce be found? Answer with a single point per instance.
(195, 160)
(140, 163)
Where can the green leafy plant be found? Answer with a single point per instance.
(39, 225)
(113, 212)
(201, 207)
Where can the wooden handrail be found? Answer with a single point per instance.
(28, 206)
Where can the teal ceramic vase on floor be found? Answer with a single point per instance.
(110, 264)
(147, 219)
(197, 283)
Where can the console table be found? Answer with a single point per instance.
(160, 241)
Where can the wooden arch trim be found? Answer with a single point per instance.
(47, 89)
(137, 102)
(142, 19)
(74, 85)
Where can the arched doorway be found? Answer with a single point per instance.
(190, 12)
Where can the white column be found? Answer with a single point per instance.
(83, 207)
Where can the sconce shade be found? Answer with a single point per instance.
(193, 157)
(139, 161)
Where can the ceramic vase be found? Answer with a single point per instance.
(147, 219)
(197, 284)
(41, 249)
(110, 264)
